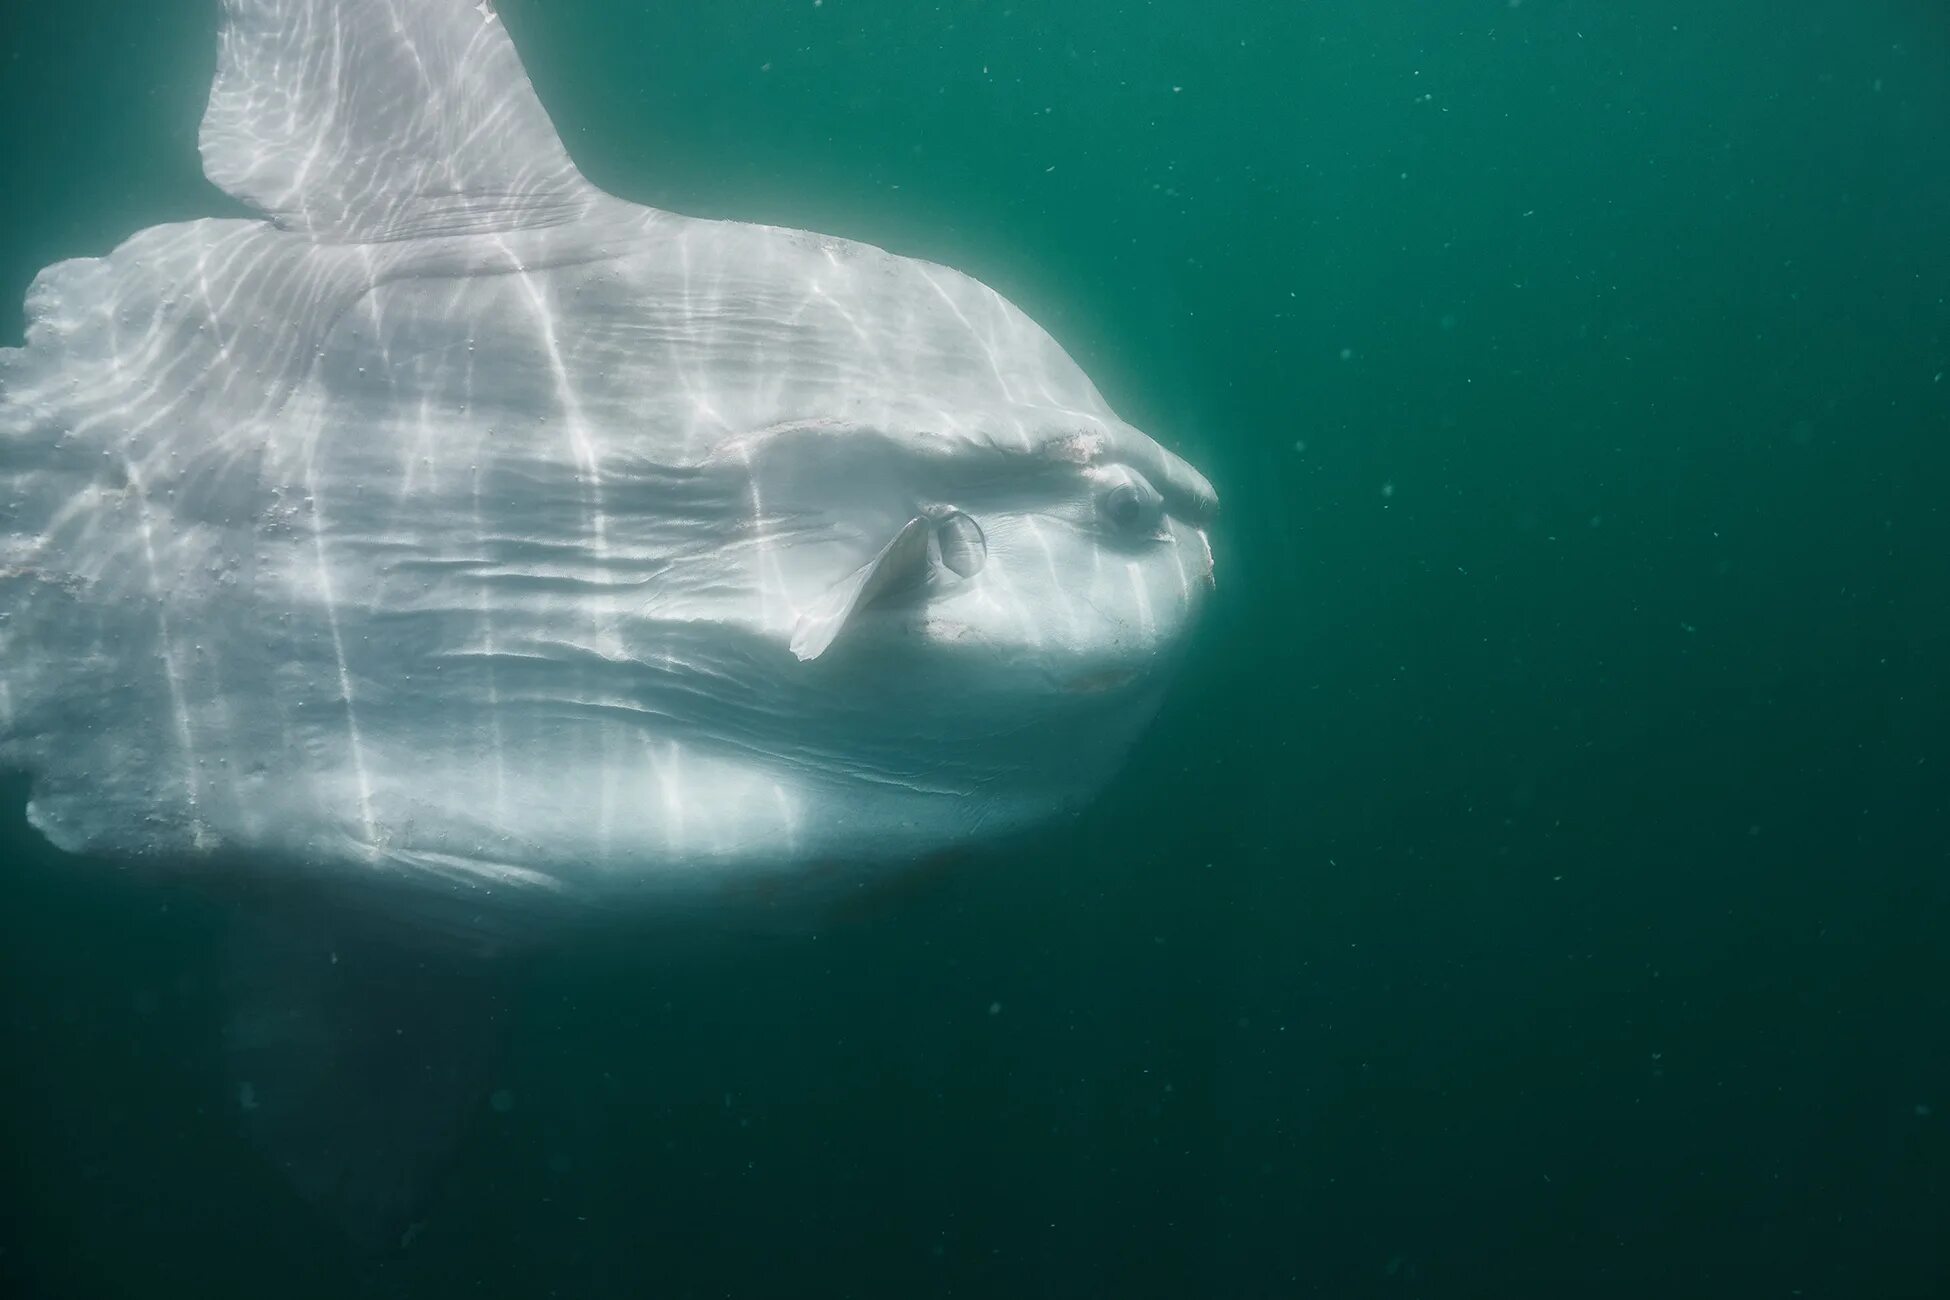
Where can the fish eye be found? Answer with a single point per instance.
(1133, 506)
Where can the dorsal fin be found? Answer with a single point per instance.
(365, 120)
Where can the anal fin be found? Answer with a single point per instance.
(355, 1063)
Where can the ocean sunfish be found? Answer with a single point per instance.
(456, 521)
(456, 527)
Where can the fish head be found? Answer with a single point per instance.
(957, 536)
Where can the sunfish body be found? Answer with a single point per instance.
(458, 521)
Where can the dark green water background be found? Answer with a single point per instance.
(1536, 884)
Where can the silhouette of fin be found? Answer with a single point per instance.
(355, 1063)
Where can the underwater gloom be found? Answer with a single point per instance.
(1054, 648)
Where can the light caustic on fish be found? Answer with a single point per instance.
(455, 516)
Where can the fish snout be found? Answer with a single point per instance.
(1192, 496)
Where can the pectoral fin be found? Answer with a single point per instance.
(901, 563)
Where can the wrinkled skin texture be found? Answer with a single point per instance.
(459, 519)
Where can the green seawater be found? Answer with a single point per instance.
(1537, 883)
